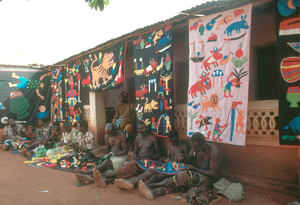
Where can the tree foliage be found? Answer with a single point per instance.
(95, 4)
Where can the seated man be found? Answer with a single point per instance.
(33, 132)
(125, 118)
(177, 150)
(13, 133)
(116, 146)
(69, 134)
(45, 129)
(193, 176)
(146, 146)
(56, 133)
(85, 141)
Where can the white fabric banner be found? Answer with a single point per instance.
(219, 50)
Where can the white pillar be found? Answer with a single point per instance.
(98, 116)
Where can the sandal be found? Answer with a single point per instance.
(83, 183)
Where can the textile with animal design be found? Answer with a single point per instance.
(25, 95)
(154, 79)
(288, 60)
(104, 69)
(218, 75)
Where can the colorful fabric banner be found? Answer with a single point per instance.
(287, 19)
(24, 96)
(154, 79)
(57, 94)
(103, 70)
(72, 91)
(218, 75)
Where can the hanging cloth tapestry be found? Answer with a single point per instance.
(72, 78)
(287, 22)
(154, 79)
(218, 75)
(104, 69)
(24, 96)
(57, 94)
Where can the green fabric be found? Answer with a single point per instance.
(41, 152)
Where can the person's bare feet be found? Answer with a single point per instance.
(146, 191)
(77, 170)
(123, 184)
(98, 178)
(26, 152)
(4, 147)
(84, 178)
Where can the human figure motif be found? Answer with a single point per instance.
(217, 131)
(154, 125)
(43, 113)
(72, 94)
(230, 83)
(162, 87)
(30, 83)
(240, 122)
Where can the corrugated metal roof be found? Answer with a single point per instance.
(207, 8)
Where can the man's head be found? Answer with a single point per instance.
(56, 126)
(198, 142)
(110, 129)
(31, 127)
(42, 121)
(11, 121)
(123, 97)
(65, 126)
(82, 126)
(142, 128)
(173, 137)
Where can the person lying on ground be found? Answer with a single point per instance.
(117, 148)
(124, 119)
(193, 176)
(177, 150)
(13, 134)
(33, 148)
(146, 146)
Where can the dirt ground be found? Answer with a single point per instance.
(21, 184)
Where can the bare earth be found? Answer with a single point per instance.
(21, 184)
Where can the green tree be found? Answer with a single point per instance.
(95, 4)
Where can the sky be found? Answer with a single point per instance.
(48, 31)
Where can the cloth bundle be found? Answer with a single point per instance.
(232, 191)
